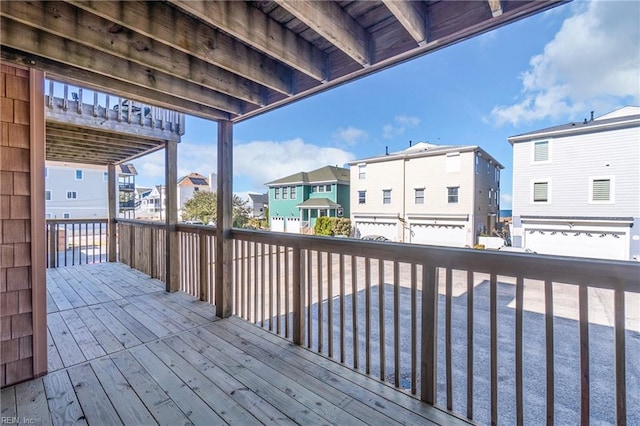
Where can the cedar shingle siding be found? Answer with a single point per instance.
(16, 362)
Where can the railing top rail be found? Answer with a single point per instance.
(608, 274)
(138, 222)
(198, 229)
(76, 221)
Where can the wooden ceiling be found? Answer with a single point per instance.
(231, 60)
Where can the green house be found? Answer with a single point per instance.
(296, 201)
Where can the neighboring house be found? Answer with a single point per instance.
(79, 191)
(258, 205)
(296, 201)
(151, 203)
(427, 194)
(127, 190)
(188, 186)
(576, 188)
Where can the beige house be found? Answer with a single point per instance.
(426, 194)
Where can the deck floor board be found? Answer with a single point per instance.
(123, 351)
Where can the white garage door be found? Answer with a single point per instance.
(389, 230)
(602, 245)
(293, 225)
(277, 224)
(439, 235)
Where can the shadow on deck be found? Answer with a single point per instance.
(123, 351)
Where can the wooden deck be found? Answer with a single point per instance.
(123, 351)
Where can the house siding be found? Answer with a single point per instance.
(22, 285)
(574, 160)
(91, 191)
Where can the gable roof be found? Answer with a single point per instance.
(425, 149)
(193, 179)
(259, 198)
(623, 117)
(319, 203)
(327, 174)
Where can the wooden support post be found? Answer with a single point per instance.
(224, 221)
(111, 200)
(428, 364)
(172, 263)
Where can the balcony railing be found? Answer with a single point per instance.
(76, 241)
(492, 336)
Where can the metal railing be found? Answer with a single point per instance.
(76, 241)
(493, 336)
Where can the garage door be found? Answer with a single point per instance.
(601, 245)
(277, 224)
(439, 235)
(293, 225)
(389, 230)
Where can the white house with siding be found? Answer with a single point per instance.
(427, 194)
(576, 188)
(75, 191)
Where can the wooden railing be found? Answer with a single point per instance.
(141, 245)
(76, 242)
(493, 336)
(64, 97)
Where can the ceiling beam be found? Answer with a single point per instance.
(412, 16)
(93, 137)
(264, 34)
(335, 25)
(90, 30)
(38, 42)
(496, 7)
(160, 22)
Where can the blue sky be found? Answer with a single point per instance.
(547, 70)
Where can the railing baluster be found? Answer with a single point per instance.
(278, 290)
(298, 297)
(255, 283)
(519, 351)
(548, 312)
(330, 303)
(51, 97)
(493, 314)
(320, 304)
(342, 309)
(470, 351)
(367, 313)
(271, 287)
(309, 291)
(95, 103)
(262, 284)
(354, 311)
(449, 338)
(396, 323)
(203, 258)
(381, 328)
(93, 242)
(428, 364)
(79, 105)
(414, 328)
(620, 356)
(65, 99)
(583, 307)
(65, 244)
(286, 293)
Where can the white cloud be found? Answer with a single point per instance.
(505, 198)
(263, 161)
(350, 136)
(400, 124)
(591, 64)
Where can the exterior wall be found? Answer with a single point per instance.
(91, 191)
(185, 193)
(485, 209)
(574, 161)
(404, 175)
(22, 283)
(343, 197)
(285, 207)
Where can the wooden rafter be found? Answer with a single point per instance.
(412, 16)
(496, 7)
(333, 24)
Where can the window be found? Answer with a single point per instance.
(386, 196)
(46, 172)
(541, 192)
(292, 192)
(488, 167)
(276, 193)
(453, 162)
(327, 188)
(601, 190)
(497, 174)
(419, 195)
(196, 189)
(452, 194)
(323, 212)
(78, 174)
(47, 195)
(362, 171)
(490, 196)
(477, 163)
(285, 192)
(105, 176)
(66, 215)
(541, 151)
(72, 195)
(362, 197)
(47, 215)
